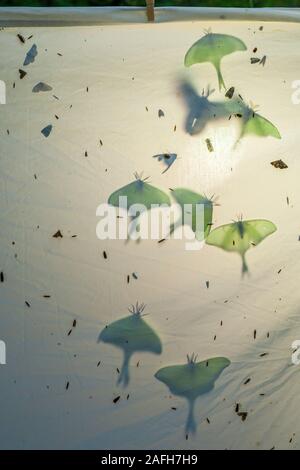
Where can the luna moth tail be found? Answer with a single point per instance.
(244, 265)
(124, 374)
(190, 422)
(220, 76)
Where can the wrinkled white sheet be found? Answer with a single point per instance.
(128, 67)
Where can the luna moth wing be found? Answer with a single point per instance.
(260, 126)
(131, 332)
(240, 236)
(185, 196)
(259, 229)
(198, 378)
(212, 47)
(139, 192)
(224, 237)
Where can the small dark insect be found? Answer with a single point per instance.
(243, 415)
(67, 385)
(46, 131)
(263, 354)
(128, 278)
(104, 255)
(85, 153)
(186, 437)
(207, 284)
(146, 107)
(138, 363)
(288, 200)
(1, 276)
(215, 337)
(208, 420)
(268, 335)
(98, 363)
(278, 272)
(59, 54)
(87, 89)
(209, 145)
(134, 275)
(56, 117)
(70, 332)
(238, 115)
(46, 296)
(27, 304)
(22, 73)
(163, 240)
(263, 60)
(261, 394)
(229, 93)
(255, 60)
(127, 396)
(58, 234)
(160, 113)
(22, 39)
(74, 323)
(255, 50)
(118, 370)
(261, 28)
(41, 87)
(221, 323)
(31, 55)
(173, 408)
(101, 143)
(14, 85)
(237, 407)
(175, 127)
(29, 37)
(254, 334)
(279, 164)
(247, 381)
(115, 400)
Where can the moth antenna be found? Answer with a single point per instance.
(214, 200)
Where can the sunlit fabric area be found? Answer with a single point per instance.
(121, 343)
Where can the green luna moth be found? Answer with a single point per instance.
(202, 110)
(241, 235)
(212, 48)
(188, 199)
(139, 192)
(192, 380)
(131, 334)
